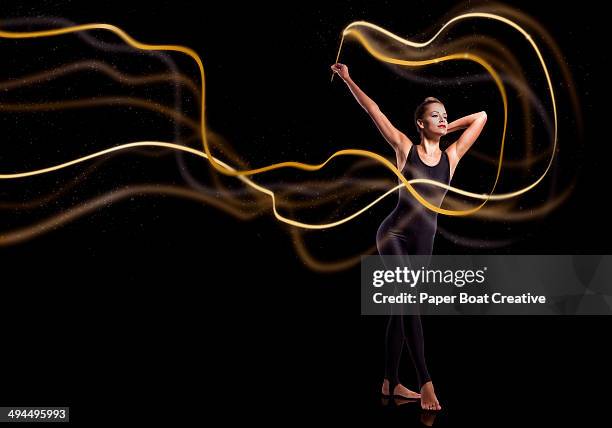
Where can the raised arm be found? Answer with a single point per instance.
(473, 125)
(397, 139)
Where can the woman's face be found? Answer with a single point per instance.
(433, 121)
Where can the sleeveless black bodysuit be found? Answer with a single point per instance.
(410, 229)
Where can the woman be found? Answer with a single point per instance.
(410, 228)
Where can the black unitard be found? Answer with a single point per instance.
(410, 229)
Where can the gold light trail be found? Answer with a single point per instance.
(227, 170)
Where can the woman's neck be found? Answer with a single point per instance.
(431, 146)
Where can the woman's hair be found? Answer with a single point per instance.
(418, 113)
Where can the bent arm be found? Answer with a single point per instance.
(473, 125)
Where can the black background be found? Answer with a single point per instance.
(158, 307)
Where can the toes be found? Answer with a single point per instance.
(431, 406)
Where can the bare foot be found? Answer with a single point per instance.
(399, 390)
(429, 401)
